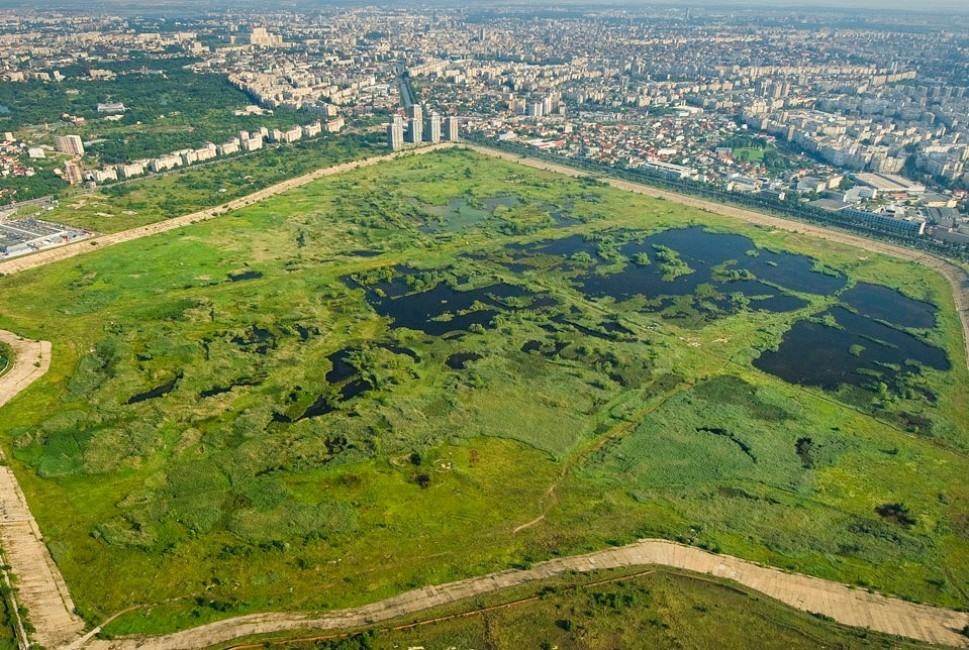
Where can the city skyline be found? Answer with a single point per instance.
(165, 6)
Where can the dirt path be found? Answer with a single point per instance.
(50, 255)
(956, 275)
(40, 588)
(848, 606)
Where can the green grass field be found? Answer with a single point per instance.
(156, 198)
(748, 154)
(229, 424)
(618, 609)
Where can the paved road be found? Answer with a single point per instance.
(40, 586)
(848, 606)
(957, 276)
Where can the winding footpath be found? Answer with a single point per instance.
(43, 592)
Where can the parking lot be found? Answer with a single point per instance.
(29, 235)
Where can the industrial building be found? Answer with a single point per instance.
(884, 222)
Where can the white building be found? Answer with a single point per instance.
(208, 152)
(451, 128)
(252, 143)
(164, 163)
(433, 128)
(131, 170)
(395, 133)
(228, 148)
(104, 175)
(312, 130)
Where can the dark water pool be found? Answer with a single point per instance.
(460, 360)
(702, 251)
(245, 275)
(341, 369)
(887, 304)
(157, 391)
(443, 309)
(859, 352)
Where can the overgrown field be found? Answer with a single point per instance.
(159, 197)
(8, 633)
(605, 610)
(448, 365)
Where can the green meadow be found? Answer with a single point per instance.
(449, 365)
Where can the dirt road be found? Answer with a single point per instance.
(35, 260)
(40, 587)
(845, 605)
(957, 277)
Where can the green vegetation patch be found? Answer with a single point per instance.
(448, 365)
(156, 198)
(6, 357)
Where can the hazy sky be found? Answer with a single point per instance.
(960, 6)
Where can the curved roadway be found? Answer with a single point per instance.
(845, 605)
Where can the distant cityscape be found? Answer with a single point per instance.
(868, 121)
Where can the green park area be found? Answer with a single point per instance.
(758, 150)
(447, 365)
(167, 108)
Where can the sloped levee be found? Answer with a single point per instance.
(845, 605)
(40, 587)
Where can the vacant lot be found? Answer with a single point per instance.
(373, 382)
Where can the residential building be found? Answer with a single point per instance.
(73, 173)
(433, 128)
(415, 132)
(395, 133)
(131, 170)
(69, 144)
(111, 107)
(451, 128)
